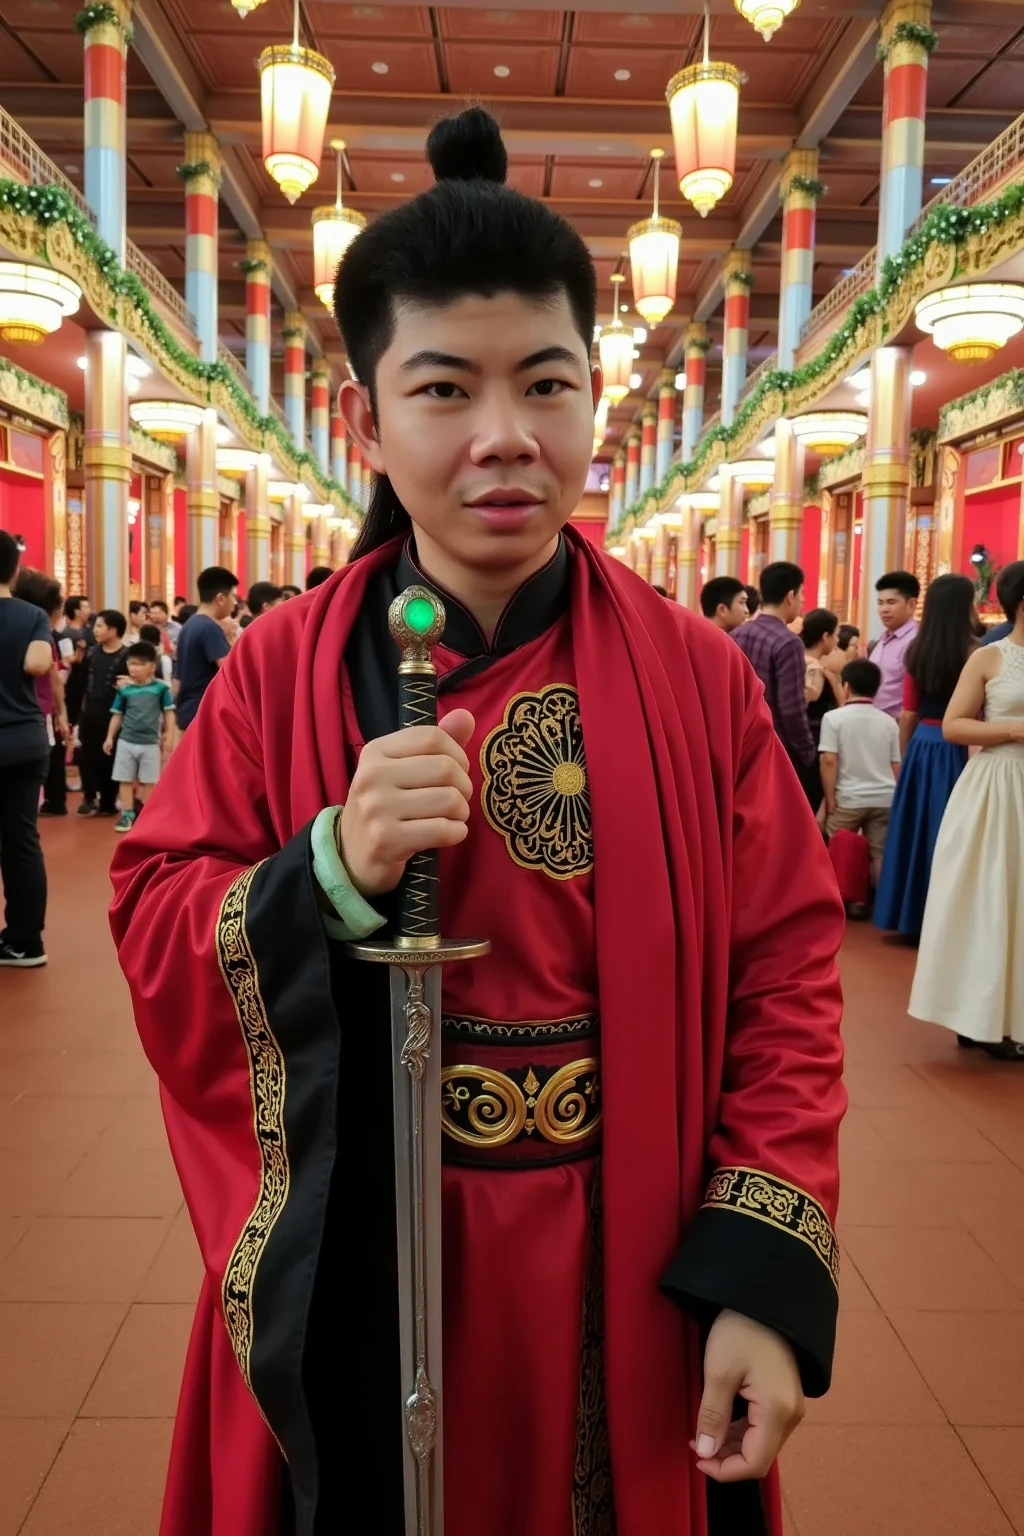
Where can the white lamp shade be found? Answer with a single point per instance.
(615, 347)
(829, 432)
(236, 462)
(766, 16)
(334, 229)
(972, 321)
(167, 420)
(34, 301)
(654, 262)
(601, 421)
(295, 96)
(703, 102)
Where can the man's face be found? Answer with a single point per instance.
(223, 604)
(102, 631)
(894, 609)
(738, 612)
(158, 614)
(486, 425)
(795, 604)
(140, 671)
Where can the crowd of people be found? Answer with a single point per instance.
(916, 749)
(93, 703)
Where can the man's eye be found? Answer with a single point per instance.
(548, 387)
(443, 390)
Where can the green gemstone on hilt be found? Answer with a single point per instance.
(416, 620)
(419, 615)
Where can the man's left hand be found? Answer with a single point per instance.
(745, 1359)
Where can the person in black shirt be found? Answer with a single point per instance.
(26, 653)
(203, 646)
(106, 664)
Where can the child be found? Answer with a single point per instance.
(860, 760)
(105, 665)
(135, 716)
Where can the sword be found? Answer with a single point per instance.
(415, 954)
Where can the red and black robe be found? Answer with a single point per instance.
(641, 1089)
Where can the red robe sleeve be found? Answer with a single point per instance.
(763, 1242)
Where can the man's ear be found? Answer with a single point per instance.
(596, 384)
(354, 405)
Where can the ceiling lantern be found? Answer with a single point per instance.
(244, 7)
(601, 421)
(34, 301)
(654, 258)
(973, 320)
(703, 103)
(766, 16)
(167, 420)
(334, 229)
(615, 347)
(236, 463)
(295, 97)
(752, 474)
(829, 432)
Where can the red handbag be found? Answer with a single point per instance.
(851, 860)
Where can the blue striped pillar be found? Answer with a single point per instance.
(696, 348)
(201, 175)
(799, 210)
(105, 126)
(257, 321)
(294, 333)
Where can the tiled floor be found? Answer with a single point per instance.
(922, 1435)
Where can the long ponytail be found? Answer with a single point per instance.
(385, 519)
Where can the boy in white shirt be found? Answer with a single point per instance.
(860, 761)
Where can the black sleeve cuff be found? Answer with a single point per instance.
(764, 1248)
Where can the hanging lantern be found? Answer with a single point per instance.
(244, 7)
(703, 103)
(752, 474)
(654, 258)
(601, 421)
(334, 229)
(615, 347)
(295, 97)
(167, 420)
(34, 301)
(973, 320)
(766, 16)
(829, 432)
(236, 462)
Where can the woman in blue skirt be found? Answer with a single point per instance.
(931, 766)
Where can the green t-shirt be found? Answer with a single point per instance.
(142, 704)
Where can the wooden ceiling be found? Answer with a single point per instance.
(580, 95)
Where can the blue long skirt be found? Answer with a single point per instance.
(930, 770)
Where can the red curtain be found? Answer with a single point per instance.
(23, 510)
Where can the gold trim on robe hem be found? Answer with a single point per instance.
(762, 1196)
(267, 1085)
(593, 1505)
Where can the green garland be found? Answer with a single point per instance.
(1009, 384)
(695, 345)
(293, 333)
(805, 184)
(30, 381)
(49, 205)
(744, 277)
(945, 225)
(191, 170)
(909, 32)
(259, 265)
(101, 16)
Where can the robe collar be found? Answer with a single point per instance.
(532, 609)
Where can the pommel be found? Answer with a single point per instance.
(416, 620)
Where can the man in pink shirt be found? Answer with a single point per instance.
(898, 592)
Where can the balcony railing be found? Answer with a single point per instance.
(753, 379)
(21, 158)
(225, 355)
(985, 174)
(835, 304)
(163, 293)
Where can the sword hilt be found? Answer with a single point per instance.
(416, 620)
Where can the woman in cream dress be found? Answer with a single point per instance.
(970, 966)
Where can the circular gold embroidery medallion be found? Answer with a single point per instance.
(535, 790)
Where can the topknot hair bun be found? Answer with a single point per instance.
(467, 147)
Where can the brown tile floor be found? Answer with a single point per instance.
(922, 1435)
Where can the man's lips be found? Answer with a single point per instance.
(511, 498)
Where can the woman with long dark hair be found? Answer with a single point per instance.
(931, 765)
(819, 637)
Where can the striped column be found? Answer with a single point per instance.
(696, 347)
(786, 507)
(105, 127)
(257, 321)
(227, 531)
(688, 548)
(294, 334)
(202, 500)
(321, 550)
(736, 337)
(632, 467)
(339, 449)
(799, 207)
(355, 473)
(730, 525)
(320, 413)
(886, 477)
(294, 542)
(201, 200)
(648, 446)
(666, 424)
(257, 522)
(659, 558)
(107, 466)
(903, 120)
(278, 573)
(617, 490)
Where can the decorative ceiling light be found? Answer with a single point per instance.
(243, 7)
(752, 474)
(973, 320)
(703, 102)
(829, 432)
(167, 420)
(34, 301)
(700, 501)
(601, 421)
(334, 229)
(281, 490)
(766, 16)
(236, 462)
(615, 347)
(295, 96)
(312, 509)
(654, 258)
(648, 531)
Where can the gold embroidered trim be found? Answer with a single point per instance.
(484, 1030)
(482, 1107)
(784, 1206)
(535, 792)
(267, 1086)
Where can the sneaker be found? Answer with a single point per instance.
(10, 954)
(88, 808)
(1007, 1050)
(126, 822)
(46, 809)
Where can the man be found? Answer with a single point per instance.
(284, 823)
(170, 629)
(317, 576)
(263, 595)
(898, 592)
(138, 614)
(753, 601)
(203, 646)
(777, 656)
(26, 653)
(106, 664)
(288, 591)
(723, 600)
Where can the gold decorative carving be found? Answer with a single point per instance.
(32, 397)
(763, 1197)
(484, 1107)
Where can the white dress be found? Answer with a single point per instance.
(970, 965)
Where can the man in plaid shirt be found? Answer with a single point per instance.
(777, 656)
